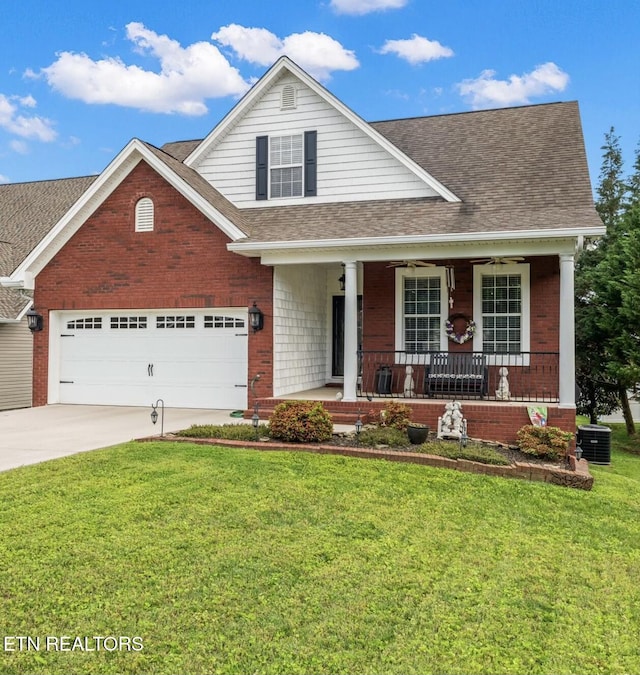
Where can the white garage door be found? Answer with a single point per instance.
(188, 358)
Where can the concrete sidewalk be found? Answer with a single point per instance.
(32, 435)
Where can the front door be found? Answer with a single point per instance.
(337, 348)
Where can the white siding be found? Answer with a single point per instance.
(351, 166)
(16, 357)
(299, 324)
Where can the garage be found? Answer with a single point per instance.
(187, 358)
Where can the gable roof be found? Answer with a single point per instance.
(285, 65)
(184, 179)
(517, 170)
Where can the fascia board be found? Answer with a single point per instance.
(572, 234)
(265, 82)
(134, 152)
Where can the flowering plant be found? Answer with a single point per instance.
(467, 333)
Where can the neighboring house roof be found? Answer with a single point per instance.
(28, 211)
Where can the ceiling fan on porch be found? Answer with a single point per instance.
(498, 260)
(410, 263)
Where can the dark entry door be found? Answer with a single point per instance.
(337, 351)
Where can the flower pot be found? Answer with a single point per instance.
(417, 433)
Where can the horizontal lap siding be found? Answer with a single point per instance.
(15, 365)
(350, 165)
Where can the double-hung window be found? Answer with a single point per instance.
(421, 300)
(286, 166)
(285, 161)
(501, 309)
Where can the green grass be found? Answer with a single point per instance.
(238, 561)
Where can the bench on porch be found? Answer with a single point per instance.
(456, 373)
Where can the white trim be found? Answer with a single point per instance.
(541, 242)
(524, 271)
(285, 64)
(412, 272)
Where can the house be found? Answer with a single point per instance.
(366, 250)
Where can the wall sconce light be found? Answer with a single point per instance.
(256, 318)
(154, 414)
(342, 279)
(34, 320)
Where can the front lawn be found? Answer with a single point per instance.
(238, 561)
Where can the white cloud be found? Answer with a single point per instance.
(360, 7)
(19, 146)
(187, 77)
(486, 91)
(4, 179)
(25, 126)
(416, 50)
(317, 53)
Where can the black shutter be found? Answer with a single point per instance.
(310, 163)
(262, 167)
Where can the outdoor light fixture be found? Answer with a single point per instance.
(255, 420)
(256, 318)
(34, 320)
(342, 279)
(358, 426)
(463, 436)
(154, 414)
(578, 452)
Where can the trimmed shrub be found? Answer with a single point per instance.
(301, 422)
(546, 442)
(234, 432)
(395, 414)
(373, 436)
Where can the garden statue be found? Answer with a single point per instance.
(502, 392)
(409, 385)
(452, 423)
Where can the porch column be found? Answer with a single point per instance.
(350, 331)
(567, 359)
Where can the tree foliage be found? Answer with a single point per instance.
(608, 294)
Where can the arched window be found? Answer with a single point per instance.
(144, 215)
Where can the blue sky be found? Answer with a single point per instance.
(79, 79)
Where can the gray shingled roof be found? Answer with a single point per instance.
(27, 212)
(202, 186)
(514, 169)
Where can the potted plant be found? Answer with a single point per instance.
(417, 433)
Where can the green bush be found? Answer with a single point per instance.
(373, 436)
(395, 414)
(301, 422)
(546, 442)
(235, 432)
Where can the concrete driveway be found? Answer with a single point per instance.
(32, 435)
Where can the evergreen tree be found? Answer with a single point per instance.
(608, 348)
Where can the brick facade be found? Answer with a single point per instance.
(182, 263)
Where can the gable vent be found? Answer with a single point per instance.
(144, 215)
(288, 100)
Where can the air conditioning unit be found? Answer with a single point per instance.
(595, 442)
